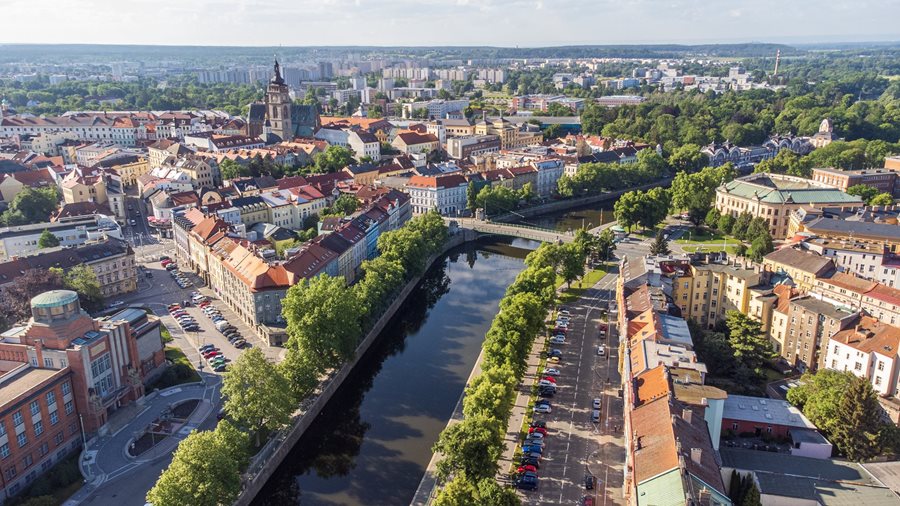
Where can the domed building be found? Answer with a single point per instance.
(63, 372)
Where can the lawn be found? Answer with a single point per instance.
(708, 242)
(181, 371)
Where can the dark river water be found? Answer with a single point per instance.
(589, 217)
(372, 442)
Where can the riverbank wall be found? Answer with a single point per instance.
(264, 464)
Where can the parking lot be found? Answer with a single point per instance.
(575, 445)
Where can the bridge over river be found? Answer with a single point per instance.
(518, 230)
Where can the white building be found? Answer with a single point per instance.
(334, 136)
(446, 193)
(869, 350)
(549, 172)
(436, 108)
(23, 239)
(363, 144)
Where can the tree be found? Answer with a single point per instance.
(258, 396)
(819, 395)
(758, 227)
(661, 245)
(761, 246)
(726, 223)
(863, 191)
(282, 247)
(380, 278)
(344, 205)
(333, 159)
(83, 280)
(693, 193)
(572, 263)
(552, 132)
(627, 209)
(205, 470)
(741, 224)
(323, 317)
(606, 244)
(712, 218)
(232, 170)
(47, 240)
(471, 196)
(882, 199)
(856, 435)
(471, 447)
(688, 158)
(31, 205)
(654, 207)
(527, 192)
(463, 491)
(750, 345)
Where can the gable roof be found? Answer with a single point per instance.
(800, 260)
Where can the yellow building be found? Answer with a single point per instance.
(704, 292)
(132, 168)
(801, 266)
(78, 188)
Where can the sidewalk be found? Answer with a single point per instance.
(520, 410)
(106, 458)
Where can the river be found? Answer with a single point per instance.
(589, 216)
(372, 442)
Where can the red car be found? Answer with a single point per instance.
(539, 430)
(559, 330)
(166, 262)
(211, 353)
(551, 379)
(526, 469)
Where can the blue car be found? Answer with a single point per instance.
(532, 449)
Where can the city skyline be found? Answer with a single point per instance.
(505, 23)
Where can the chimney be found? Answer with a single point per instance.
(39, 352)
(687, 415)
(696, 455)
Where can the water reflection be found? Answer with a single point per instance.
(372, 442)
(589, 216)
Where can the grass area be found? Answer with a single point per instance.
(166, 335)
(179, 372)
(579, 287)
(731, 250)
(708, 242)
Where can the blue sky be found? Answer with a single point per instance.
(445, 22)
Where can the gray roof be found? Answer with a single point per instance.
(802, 260)
(764, 411)
(826, 493)
(821, 307)
(859, 229)
(780, 463)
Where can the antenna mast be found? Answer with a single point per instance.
(777, 60)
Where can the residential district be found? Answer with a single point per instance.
(144, 252)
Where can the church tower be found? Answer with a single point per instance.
(278, 106)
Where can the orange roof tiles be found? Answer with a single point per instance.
(871, 335)
(651, 385)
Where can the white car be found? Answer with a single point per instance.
(543, 408)
(601, 351)
(558, 340)
(597, 403)
(546, 383)
(551, 371)
(564, 312)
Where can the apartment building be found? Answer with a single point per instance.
(447, 194)
(811, 322)
(414, 142)
(71, 231)
(775, 196)
(706, 291)
(802, 267)
(474, 145)
(85, 126)
(869, 232)
(868, 350)
(867, 260)
(111, 259)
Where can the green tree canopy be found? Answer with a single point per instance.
(31, 205)
(47, 240)
(750, 345)
(859, 415)
(257, 395)
(232, 170)
(333, 159)
(863, 191)
(819, 396)
(660, 245)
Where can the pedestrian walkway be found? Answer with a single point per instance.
(521, 410)
(106, 459)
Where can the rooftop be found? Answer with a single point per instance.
(800, 260)
(779, 189)
(20, 380)
(821, 307)
(54, 298)
(857, 229)
(763, 410)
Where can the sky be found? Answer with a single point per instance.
(510, 23)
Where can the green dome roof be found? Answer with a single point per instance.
(54, 298)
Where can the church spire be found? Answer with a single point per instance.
(277, 79)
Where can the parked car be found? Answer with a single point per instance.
(553, 360)
(540, 424)
(589, 482)
(597, 403)
(206, 347)
(192, 328)
(534, 435)
(220, 368)
(587, 500)
(558, 340)
(534, 442)
(545, 383)
(595, 416)
(533, 449)
(239, 343)
(551, 371)
(543, 408)
(526, 468)
(554, 352)
(537, 430)
(551, 379)
(530, 461)
(601, 351)
(527, 481)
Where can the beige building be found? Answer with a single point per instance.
(510, 135)
(775, 196)
(130, 169)
(811, 322)
(84, 188)
(161, 150)
(803, 267)
(704, 292)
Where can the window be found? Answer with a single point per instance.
(17, 418)
(880, 365)
(877, 380)
(66, 388)
(54, 417)
(38, 428)
(857, 367)
(51, 397)
(27, 461)
(45, 449)
(22, 439)
(69, 407)
(48, 362)
(734, 426)
(58, 439)
(4, 450)
(11, 472)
